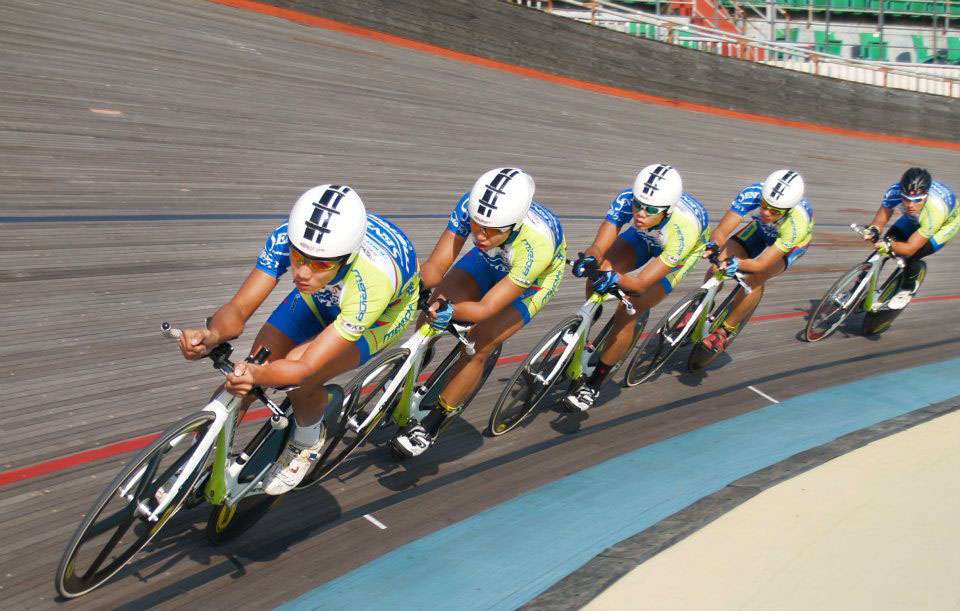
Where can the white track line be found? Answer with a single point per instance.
(763, 394)
(375, 521)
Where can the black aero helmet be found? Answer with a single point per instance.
(915, 181)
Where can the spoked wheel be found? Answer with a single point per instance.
(880, 321)
(361, 395)
(226, 522)
(840, 301)
(532, 379)
(117, 526)
(669, 334)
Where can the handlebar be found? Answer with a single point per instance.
(616, 291)
(457, 328)
(738, 276)
(220, 355)
(885, 243)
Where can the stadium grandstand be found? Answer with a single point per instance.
(890, 43)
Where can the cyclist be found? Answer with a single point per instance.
(668, 233)
(509, 275)
(778, 234)
(930, 218)
(355, 291)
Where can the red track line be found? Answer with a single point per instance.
(130, 445)
(398, 41)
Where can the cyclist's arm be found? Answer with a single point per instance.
(912, 245)
(501, 295)
(767, 259)
(305, 360)
(606, 236)
(721, 233)
(229, 321)
(882, 217)
(649, 275)
(442, 257)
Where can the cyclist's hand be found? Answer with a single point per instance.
(731, 267)
(871, 234)
(241, 381)
(712, 249)
(440, 315)
(605, 281)
(583, 264)
(197, 343)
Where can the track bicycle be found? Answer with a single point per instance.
(691, 320)
(189, 463)
(859, 290)
(563, 352)
(390, 390)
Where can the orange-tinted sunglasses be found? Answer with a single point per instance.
(773, 209)
(316, 265)
(490, 232)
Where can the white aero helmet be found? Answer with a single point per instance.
(501, 197)
(658, 185)
(328, 222)
(783, 189)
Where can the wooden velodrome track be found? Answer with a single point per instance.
(182, 113)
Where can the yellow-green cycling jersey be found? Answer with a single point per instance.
(370, 302)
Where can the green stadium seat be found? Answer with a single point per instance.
(920, 52)
(897, 6)
(840, 4)
(860, 5)
(953, 49)
(871, 47)
(921, 7)
(832, 45)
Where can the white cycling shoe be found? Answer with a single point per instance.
(582, 398)
(413, 443)
(900, 300)
(291, 467)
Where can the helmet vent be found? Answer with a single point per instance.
(323, 212)
(652, 185)
(493, 190)
(782, 184)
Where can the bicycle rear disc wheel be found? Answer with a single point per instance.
(115, 529)
(433, 392)
(831, 312)
(663, 341)
(527, 386)
(702, 357)
(361, 395)
(877, 322)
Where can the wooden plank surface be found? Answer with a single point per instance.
(223, 111)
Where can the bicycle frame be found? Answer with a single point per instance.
(871, 301)
(579, 364)
(405, 381)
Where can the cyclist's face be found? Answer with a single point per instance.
(489, 237)
(913, 204)
(645, 217)
(310, 275)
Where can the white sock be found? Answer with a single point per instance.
(307, 436)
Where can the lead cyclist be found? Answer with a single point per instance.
(355, 282)
(930, 218)
(668, 233)
(510, 274)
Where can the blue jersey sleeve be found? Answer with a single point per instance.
(891, 198)
(747, 200)
(274, 259)
(460, 217)
(621, 209)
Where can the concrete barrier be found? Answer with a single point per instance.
(535, 39)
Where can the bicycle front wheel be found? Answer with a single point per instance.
(361, 395)
(532, 379)
(669, 334)
(116, 527)
(840, 301)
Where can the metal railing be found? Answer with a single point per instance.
(932, 79)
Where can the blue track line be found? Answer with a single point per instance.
(505, 556)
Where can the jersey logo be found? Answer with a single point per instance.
(656, 177)
(782, 185)
(323, 212)
(488, 201)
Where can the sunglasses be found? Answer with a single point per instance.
(490, 232)
(649, 210)
(316, 265)
(916, 199)
(773, 209)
